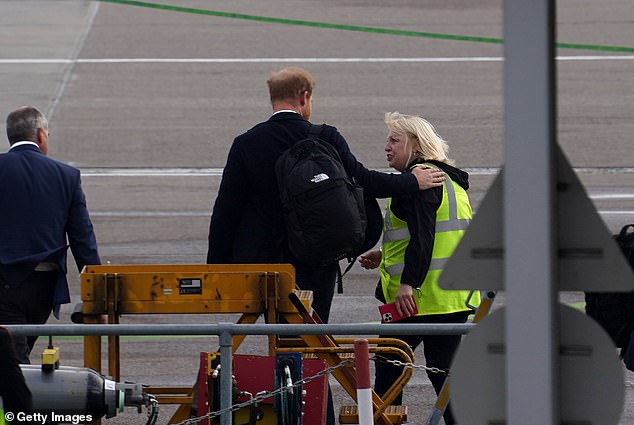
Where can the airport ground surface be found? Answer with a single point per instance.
(146, 102)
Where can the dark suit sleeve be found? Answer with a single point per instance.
(81, 235)
(374, 183)
(226, 214)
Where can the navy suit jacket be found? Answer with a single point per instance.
(42, 212)
(247, 220)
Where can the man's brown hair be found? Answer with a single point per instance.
(289, 83)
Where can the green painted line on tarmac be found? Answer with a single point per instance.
(376, 30)
(297, 22)
(596, 47)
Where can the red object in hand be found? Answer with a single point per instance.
(390, 314)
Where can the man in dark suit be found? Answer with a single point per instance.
(43, 211)
(247, 221)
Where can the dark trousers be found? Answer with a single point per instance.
(30, 302)
(320, 280)
(438, 349)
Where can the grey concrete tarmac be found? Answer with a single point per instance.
(150, 118)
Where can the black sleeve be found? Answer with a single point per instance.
(225, 217)
(15, 394)
(419, 211)
(374, 183)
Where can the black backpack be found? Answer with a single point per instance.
(324, 211)
(614, 311)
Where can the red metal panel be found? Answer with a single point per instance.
(256, 373)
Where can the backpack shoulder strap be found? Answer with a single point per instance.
(315, 130)
(626, 229)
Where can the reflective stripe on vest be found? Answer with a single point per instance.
(454, 223)
(435, 264)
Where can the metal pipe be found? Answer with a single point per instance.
(241, 329)
(72, 391)
(226, 332)
(226, 371)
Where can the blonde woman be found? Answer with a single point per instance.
(420, 232)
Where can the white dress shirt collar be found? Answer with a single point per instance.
(24, 142)
(286, 110)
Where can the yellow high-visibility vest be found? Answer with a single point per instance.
(452, 218)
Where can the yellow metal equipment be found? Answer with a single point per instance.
(50, 356)
(252, 290)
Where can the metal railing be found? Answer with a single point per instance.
(226, 330)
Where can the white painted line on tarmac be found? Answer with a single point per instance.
(201, 171)
(488, 171)
(616, 212)
(151, 172)
(207, 214)
(612, 196)
(40, 61)
(144, 214)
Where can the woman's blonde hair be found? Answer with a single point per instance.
(427, 144)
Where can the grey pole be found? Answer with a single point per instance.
(529, 213)
(226, 371)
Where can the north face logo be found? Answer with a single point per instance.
(319, 178)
